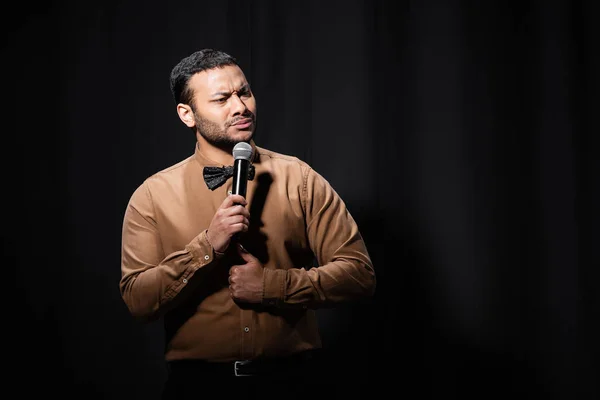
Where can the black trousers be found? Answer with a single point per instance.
(294, 377)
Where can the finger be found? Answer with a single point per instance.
(237, 223)
(238, 219)
(233, 199)
(243, 211)
(236, 210)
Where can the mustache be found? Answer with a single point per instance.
(246, 115)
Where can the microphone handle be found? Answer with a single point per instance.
(240, 177)
(240, 184)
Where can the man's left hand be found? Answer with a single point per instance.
(246, 280)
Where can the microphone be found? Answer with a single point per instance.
(242, 154)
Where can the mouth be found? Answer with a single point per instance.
(243, 123)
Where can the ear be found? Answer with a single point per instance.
(186, 115)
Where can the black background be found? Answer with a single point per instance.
(463, 136)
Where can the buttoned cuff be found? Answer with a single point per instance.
(201, 253)
(217, 254)
(201, 250)
(274, 281)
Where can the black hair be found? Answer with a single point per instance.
(196, 62)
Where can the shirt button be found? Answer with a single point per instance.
(206, 257)
(246, 329)
(184, 280)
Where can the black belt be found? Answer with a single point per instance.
(279, 366)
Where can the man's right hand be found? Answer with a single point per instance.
(231, 217)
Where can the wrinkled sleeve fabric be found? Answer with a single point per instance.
(344, 272)
(151, 281)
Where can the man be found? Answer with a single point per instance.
(237, 280)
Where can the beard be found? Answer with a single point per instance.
(217, 135)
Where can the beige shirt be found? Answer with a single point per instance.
(300, 229)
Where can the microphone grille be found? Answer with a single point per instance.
(243, 151)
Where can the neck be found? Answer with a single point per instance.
(220, 155)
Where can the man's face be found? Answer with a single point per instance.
(223, 105)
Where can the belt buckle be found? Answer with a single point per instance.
(236, 366)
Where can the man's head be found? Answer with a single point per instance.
(214, 98)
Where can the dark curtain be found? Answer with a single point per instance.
(462, 135)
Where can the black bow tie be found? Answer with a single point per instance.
(216, 176)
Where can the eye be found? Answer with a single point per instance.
(221, 100)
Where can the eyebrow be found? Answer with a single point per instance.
(244, 87)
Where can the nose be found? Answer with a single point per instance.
(237, 105)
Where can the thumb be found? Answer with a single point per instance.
(244, 253)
